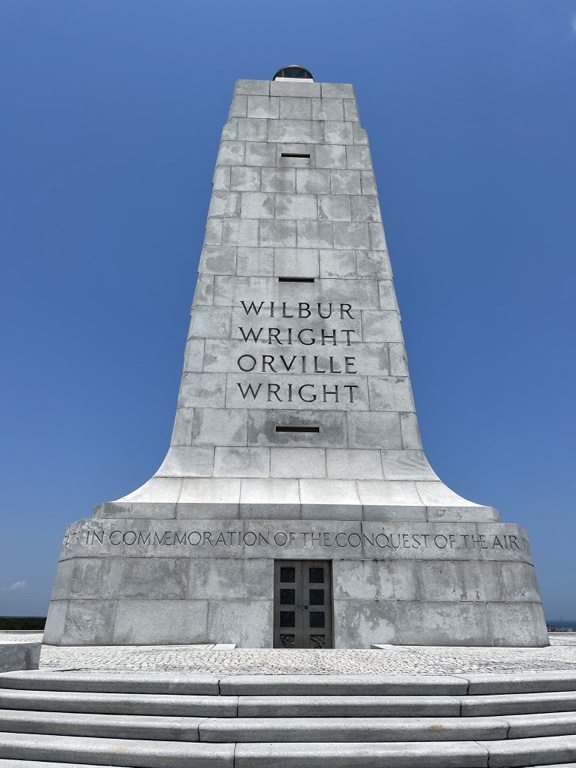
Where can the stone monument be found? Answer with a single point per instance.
(295, 506)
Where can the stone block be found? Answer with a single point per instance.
(210, 491)
(160, 622)
(338, 91)
(519, 624)
(240, 232)
(269, 498)
(255, 261)
(148, 578)
(314, 234)
(361, 623)
(442, 623)
(89, 618)
(55, 621)
(359, 134)
(247, 623)
(202, 390)
(387, 295)
(279, 234)
(374, 580)
(334, 208)
(253, 129)
(368, 183)
(402, 495)
(351, 235)
(263, 107)
(158, 489)
(377, 237)
(374, 430)
(279, 180)
(373, 264)
(330, 499)
(340, 264)
(338, 133)
(296, 206)
(381, 325)
(182, 431)
(312, 181)
(210, 323)
(213, 426)
(260, 154)
(221, 177)
(390, 393)
(187, 461)
(398, 360)
(230, 130)
(358, 158)
(231, 153)
(296, 262)
(262, 429)
(296, 131)
(253, 87)
(350, 110)
(298, 462)
(328, 109)
(345, 182)
(518, 582)
(356, 464)
(436, 494)
(295, 108)
(204, 293)
(331, 156)
(407, 465)
(257, 205)
(18, 656)
(238, 107)
(214, 229)
(365, 208)
(245, 178)
(242, 462)
(457, 581)
(230, 579)
(218, 260)
(410, 433)
(298, 88)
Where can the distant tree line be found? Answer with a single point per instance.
(22, 622)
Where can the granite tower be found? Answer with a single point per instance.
(295, 506)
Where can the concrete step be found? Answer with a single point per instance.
(319, 729)
(161, 754)
(110, 682)
(349, 729)
(496, 754)
(116, 752)
(120, 703)
(278, 706)
(289, 685)
(98, 725)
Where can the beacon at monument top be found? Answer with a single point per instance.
(295, 506)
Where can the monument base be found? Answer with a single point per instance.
(135, 581)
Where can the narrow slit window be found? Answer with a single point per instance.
(289, 428)
(296, 279)
(296, 154)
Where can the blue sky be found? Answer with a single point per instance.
(111, 116)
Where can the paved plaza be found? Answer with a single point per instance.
(388, 660)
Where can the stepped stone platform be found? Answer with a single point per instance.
(388, 707)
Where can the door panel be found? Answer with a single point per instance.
(302, 604)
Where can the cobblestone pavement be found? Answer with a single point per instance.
(390, 660)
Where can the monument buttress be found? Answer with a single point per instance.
(295, 506)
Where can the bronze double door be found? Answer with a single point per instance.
(302, 604)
